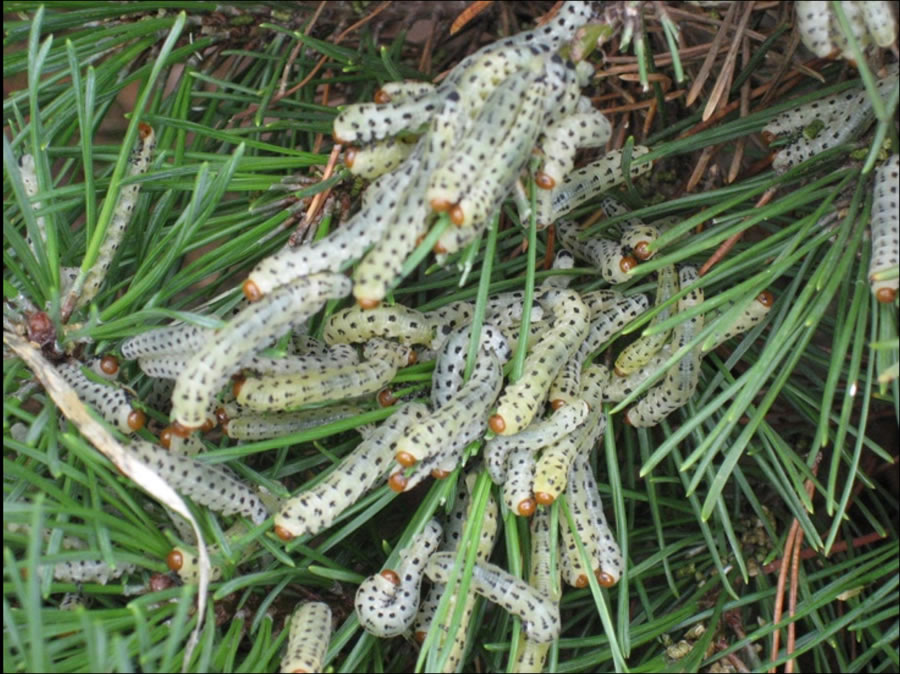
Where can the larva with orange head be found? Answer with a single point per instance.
(439, 465)
(450, 364)
(138, 163)
(313, 510)
(338, 355)
(253, 328)
(521, 400)
(113, 403)
(386, 603)
(561, 139)
(356, 325)
(636, 235)
(755, 312)
(106, 366)
(310, 632)
(539, 615)
(885, 224)
(368, 122)
(281, 392)
(552, 469)
(606, 255)
(186, 563)
(517, 493)
(637, 354)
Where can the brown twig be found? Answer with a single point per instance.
(710, 59)
(468, 14)
(319, 199)
(726, 72)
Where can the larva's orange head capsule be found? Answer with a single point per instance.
(605, 579)
(885, 295)
(367, 303)
(136, 420)
(237, 386)
(440, 205)
(283, 533)
(251, 291)
(405, 459)
(642, 250)
(556, 404)
(766, 298)
(497, 424)
(398, 481)
(165, 437)
(386, 398)
(109, 364)
(391, 576)
(381, 97)
(175, 560)
(350, 156)
(439, 249)
(544, 498)
(627, 263)
(581, 581)
(209, 424)
(144, 130)
(526, 507)
(457, 217)
(181, 430)
(439, 474)
(544, 181)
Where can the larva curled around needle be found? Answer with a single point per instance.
(606, 255)
(113, 403)
(540, 616)
(312, 510)
(138, 163)
(637, 354)
(520, 400)
(253, 328)
(386, 603)
(282, 392)
(206, 484)
(885, 224)
(308, 637)
(356, 325)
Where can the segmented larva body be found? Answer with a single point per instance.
(355, 325)
(450, 364)
(552, 470)
(30, 182)
(386, 603)
(506, 309)
(757, 310)
(539, 615)
(813, 23)
(637, 354)
(443, 462)
(206, 484)
(186, 563)
(587, 128)
(175, 339)
(404, 90)
(469, 405)
(681, 379)
(255, 327)
(446, 319)
(585, 183)
(113, 403)
(885, 225)
(517, 493)
(854, 16)
(338, 355)
(310, 632)
(536, 331)
(251, 427)
(90, 571)
(562, 260)
(164, 366)
(282, 392)
(538, 435)
(542, 542)
(368, 122)
(825, 109)
(376, 159)
(139, 162)
(880, 21)
(313, 510)
(608, 256)
(521, 400)
(340, 246)
(636, 235)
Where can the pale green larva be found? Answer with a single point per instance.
(186, 563)
(813, 24)
(552, 469)
(356, 325)
(880, 21)
(600, 300)
(585, 183)
(538, 435)
(374, 160)
(637, 354)
(90, 571)
(252, 427)
(206, 484)
(885, 224)
(313, 510)
(468, 405)
(535, 332)
(606, 255)
(636, 235)
(560, 140)
(368, 122)
(139, 162)
(113, 403)
(539, 615)
(542, 543)
(757, 310)
(446, 319)
(440, 464)
(517, 493)
(308, 637)
(521, 400)
(281, 392)
(403, 90)
(338, 355)
(386, 603)
(253, 328)
(450, 364)
(184, 338)
(164, 366)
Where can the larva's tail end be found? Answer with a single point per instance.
(283, 533)
(109, 364)
(405, 459)
(136, 420)
(543, 498)
(398, 482)
(526, 507)
(544, 181)
(497, 424)
(251, 291)
(175, 560)
(605, 579)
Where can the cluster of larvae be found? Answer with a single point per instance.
(871, 21)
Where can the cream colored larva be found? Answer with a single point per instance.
(174, 339)
(552, 469)
(636, 235)
(517, 493)
(540, 616)
(253, 328)
(813, 24)
(90, 571)
(113, 403)
(313, 510)
(521, 400)
(885, 223)
(338, 355)
(253, 427)
(606, 255)
(356, 325)
(588, 128)
(506, 309)
(386, 603)
(186, 563)
(310, 632)
(139, 162)
(755, 312)
(442, 463)
(374, 160)
(446, 319)
(369, 122)
(281, 392)
(450, 364)
(206, 484)
(637, 354)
